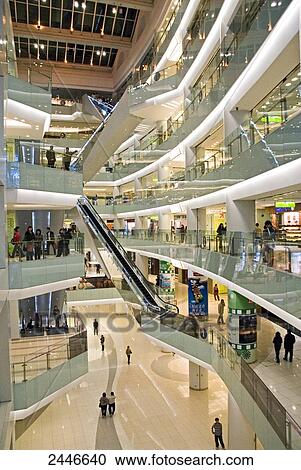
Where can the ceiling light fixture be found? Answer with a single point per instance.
(42, 46)
(97, 52)
(114, 10)
(35, 45)
(104, 53)
(84, 6)
(76, 4)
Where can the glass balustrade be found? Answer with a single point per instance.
(265, 267)
(151, 84)
(250, 27)
(39, 261)
(26, 366)
(38, 375)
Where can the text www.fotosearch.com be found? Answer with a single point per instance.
(185, 461)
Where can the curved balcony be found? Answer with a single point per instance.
(224, 69)
(41, 265)
(238, 260)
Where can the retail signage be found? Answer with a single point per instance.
(285, 204)
(197, 297)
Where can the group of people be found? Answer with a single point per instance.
(35, 244)
(107, 402)
(102, 340)
(288, 343)
(51, 158)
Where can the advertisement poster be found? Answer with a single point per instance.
(197, 297)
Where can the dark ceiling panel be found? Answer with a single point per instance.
(64, 52)
(88, 16)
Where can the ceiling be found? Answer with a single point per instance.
(70, 31)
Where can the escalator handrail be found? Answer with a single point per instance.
(136, 273)
(146, 296)
(83, 201)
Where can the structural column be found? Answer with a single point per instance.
(198, 377)
(241, 436)
(242, 325)
(196, 223)
(240, 215)
(14, 319)
(142, 264)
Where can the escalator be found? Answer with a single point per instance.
(137, 282)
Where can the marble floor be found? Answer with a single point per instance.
(155, 409)
(154, 388)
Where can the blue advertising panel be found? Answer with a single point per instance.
(197, 297)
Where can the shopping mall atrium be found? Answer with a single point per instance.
(152, 146)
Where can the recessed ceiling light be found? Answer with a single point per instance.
(76, 4)
(42, 46)
(36, 46)
(104, 53)
(97, 52)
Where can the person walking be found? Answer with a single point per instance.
(29, 239)
(102, 342)
(289, 341)
(17, 243)
(217, 430)
(277, 341)
(128, 353)
(216, 292)
(103, 404)
(95, 327)
(220, 309)
(112, 399)
(50, 155)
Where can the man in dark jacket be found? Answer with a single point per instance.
(289, 341)
(50, 155)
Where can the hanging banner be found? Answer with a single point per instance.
(197, 297)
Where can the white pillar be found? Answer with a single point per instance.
(241, 436)
(5, 384)
(142, 264)
(163, 173)
(117, 223)
(190, 157)
(138, 186)
(233, 119)
(241, 215)
(14, 319)
(198, 377)
(165, 221)
(116, 191)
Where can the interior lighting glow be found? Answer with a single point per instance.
(97, 52)
(288, 84)
(104, 53)
(42, 46)
(84, 6)
(76, 4)
(36, 46)
(114, 11)
(294, 79)
(273, 4)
